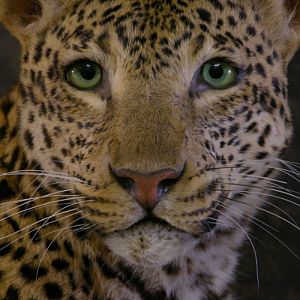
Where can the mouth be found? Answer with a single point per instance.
(205, 226)
(152, 220)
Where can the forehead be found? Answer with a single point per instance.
(166, 16)
(152, 34)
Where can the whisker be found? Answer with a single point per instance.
(40, 185)
(292, 166)
(282, 170)
(252, 177)
(33, 224)
(56, 213)
(261, 194)
(43, 173)
(265, 188)
(53, 240)
(249, 239)
(225, 225)
(269, 203)
(246, 214)
(83, 228)
(272, 184)
(32, 230)
(53, 194)
(56, 230)
(33, 208)
(263, 228)
(267, 211)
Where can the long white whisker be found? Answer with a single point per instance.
(50, 203)
(256, 222)
(56, 213)
(249, 239)
(248, 215)
(53, 194)
(31, 225)
(265, 188)
(269, 212)
(282, 170)
(53, 240)
(269, 203)
(244, 175)
(43, 173)
(269, 184)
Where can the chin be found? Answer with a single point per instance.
(150, 244)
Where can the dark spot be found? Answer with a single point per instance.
(19, 253)
(231, 21)
(28, 139)
(204, 15)
(260, 69)
(34, 235)
(5, 248)
(12, 222)
(244, 148)
(6, 192)
(30, 273)
(53, 290)
(69, 249)
(261, 155)
(57, 162)
(38, 51)
(251, 31)
(172, 268)
(52, 245)
(47, 138)
(60, 264)
(216, 4)
(12, 293)
(234, 128)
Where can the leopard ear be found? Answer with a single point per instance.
(281, 19)
(27, 17)
(292, 8)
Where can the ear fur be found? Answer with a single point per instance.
(293, 43)
(293, 6)
(24, 18)
(282, 20)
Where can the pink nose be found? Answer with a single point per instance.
(147, 189)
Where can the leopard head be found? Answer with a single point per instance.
(162, 111)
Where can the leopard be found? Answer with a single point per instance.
(139, 144)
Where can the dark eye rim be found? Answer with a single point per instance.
(73, 64)
(200, 85)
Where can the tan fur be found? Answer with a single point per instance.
(145, 117)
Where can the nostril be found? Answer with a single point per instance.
(167, 183)
(125, 183)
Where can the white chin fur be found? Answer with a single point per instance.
(150, 245)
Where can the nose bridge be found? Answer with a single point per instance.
(149, 132)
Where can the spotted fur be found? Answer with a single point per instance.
(68, 229)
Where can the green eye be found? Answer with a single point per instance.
(219, 74)
(84, 75)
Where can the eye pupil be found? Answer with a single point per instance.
(88, 72)
(216, 71)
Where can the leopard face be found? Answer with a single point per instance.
(152, 120)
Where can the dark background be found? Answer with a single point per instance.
(279, 270)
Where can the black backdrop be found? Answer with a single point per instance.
(279, 270)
